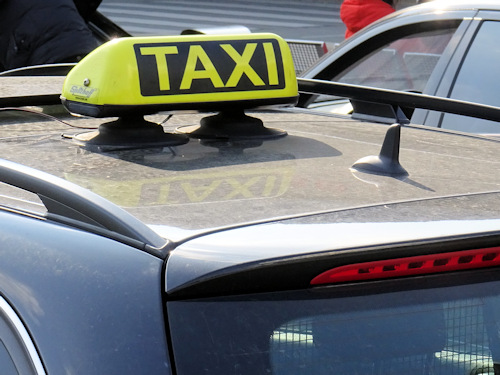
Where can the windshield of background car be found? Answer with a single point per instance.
(391, 327)
(479, 65)
(405, 64)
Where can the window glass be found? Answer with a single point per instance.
(405, 64)
(478, 80)
(6, 363)
(395, 341)
(446, 330)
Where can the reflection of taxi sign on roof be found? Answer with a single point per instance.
(137, 76)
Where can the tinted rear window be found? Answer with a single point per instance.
(445, 330)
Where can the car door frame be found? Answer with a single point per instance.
(444, 86)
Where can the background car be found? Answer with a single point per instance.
(439, 48)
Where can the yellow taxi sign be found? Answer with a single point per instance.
(203, 72)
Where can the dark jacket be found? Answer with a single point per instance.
(356, 14)
(36, 32)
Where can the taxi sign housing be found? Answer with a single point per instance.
(201, 72)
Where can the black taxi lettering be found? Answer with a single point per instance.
(209, 66)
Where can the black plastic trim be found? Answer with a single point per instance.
(105, 29)
(399, 98)
(107, 110)
(57, 69)
(32, 100)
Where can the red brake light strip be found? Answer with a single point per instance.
(418, 265)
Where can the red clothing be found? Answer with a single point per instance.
(357, 14)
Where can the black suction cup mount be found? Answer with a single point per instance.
(232, 125)
(129, 132)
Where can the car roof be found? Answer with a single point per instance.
(199, 186)
(436, 8)
(459, 4)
